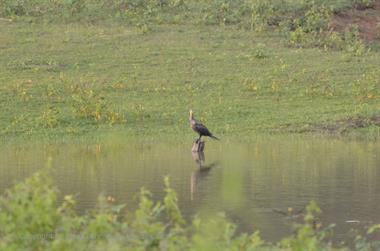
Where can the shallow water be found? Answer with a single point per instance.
(250, 182)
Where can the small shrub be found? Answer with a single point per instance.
(299, 37)
(367, 87)
(309, 29)
(49, 117)
(263, 14)
(144, 11)
(260, 51)
(75, 6)
(224, 12)
(143, 27)
(252, 85)
(334, 40)
(353, 44)
(87, 104)
(316, 19)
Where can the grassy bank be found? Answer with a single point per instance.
(54, 225)
(68, 75)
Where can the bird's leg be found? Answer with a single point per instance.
(199, 139)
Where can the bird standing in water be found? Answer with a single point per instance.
(199, 128)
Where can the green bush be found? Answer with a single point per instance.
(263, 15)
(260, 51)
(31, 219)
(224, 12)
(310, 28)
(27, 213)
(159, 11)
(353, 44)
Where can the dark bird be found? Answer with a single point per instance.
(199, 128)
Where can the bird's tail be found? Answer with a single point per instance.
(212, 136)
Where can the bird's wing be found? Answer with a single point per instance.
(202, 129)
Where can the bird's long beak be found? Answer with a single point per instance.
(191, 114)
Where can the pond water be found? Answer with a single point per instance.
(250, 182)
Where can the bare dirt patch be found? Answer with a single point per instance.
(343, 126)
(340, 127)
(366, 19)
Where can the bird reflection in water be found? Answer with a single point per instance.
(201, 172)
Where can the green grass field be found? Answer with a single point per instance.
(85, 78)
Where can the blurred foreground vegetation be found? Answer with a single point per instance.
(75, 67)
(32, 218)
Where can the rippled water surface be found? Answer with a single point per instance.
(251, 183)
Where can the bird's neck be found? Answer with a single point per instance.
(192, 120)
